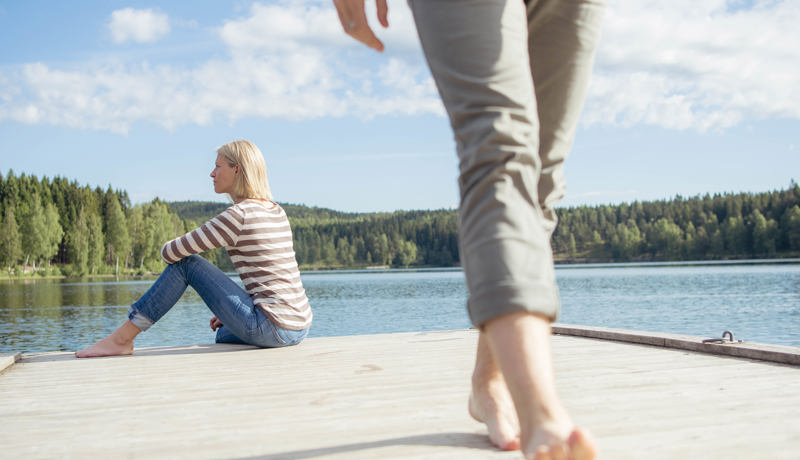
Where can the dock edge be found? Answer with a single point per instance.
(6, 361)
(750, 350)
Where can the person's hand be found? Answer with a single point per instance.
(354, 20)
(215, 323)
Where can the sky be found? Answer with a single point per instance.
(687, 97)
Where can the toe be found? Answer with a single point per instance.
(581, 445)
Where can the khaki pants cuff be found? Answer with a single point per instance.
(502, 299)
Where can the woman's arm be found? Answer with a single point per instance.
(221, 231)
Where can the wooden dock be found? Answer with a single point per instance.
(392, 396)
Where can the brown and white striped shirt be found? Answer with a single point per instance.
(258, 239)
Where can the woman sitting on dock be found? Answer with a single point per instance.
(272, 309)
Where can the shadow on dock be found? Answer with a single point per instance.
(461, 440)
(140, 352)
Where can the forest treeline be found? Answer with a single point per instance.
(709, 227)
(57, 226)
(324, 238)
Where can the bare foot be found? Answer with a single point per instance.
(491, 405)
(520, 347)
(578, 446)
(120, 342)
(106, 347)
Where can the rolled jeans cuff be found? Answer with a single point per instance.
(140, 321)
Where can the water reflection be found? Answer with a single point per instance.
(47, 314)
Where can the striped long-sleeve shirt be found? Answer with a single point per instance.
(258, 239)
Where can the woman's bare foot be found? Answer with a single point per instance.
(491, 405)
(120, 342)
(106, 347)
(578, 446)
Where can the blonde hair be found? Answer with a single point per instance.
(252, 182)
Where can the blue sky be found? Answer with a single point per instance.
(688, 97)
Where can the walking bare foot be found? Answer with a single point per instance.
(578, 446)
(106, 347)
(491, 405)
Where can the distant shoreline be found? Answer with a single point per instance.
(381, 268)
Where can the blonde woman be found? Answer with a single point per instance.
(272, 309)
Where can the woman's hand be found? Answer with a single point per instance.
(354, 20)
(215, 323)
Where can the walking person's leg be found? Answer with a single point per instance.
(562, 38)
(479, 57)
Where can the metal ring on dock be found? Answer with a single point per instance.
(729, 334)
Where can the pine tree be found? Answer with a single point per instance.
(53, 232)
(77, 241)
(96, 250)
(791, 227)
(10, 241)
(34, 233)
(118, 240)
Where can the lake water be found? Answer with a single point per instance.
(759, 301)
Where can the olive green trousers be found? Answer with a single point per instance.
(513, 78)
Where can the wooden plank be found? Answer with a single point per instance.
(8, 360)
(397, 396)
(728, 347)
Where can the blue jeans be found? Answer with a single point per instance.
(243, 321)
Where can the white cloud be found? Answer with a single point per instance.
(696, 64)
(288, 61)
(679, 64)
(141, 26)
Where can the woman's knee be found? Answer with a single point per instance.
(192, 260)
(196, 264)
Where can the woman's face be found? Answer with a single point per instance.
(224, 175)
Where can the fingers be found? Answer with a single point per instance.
(354, 21)
(383, 12)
